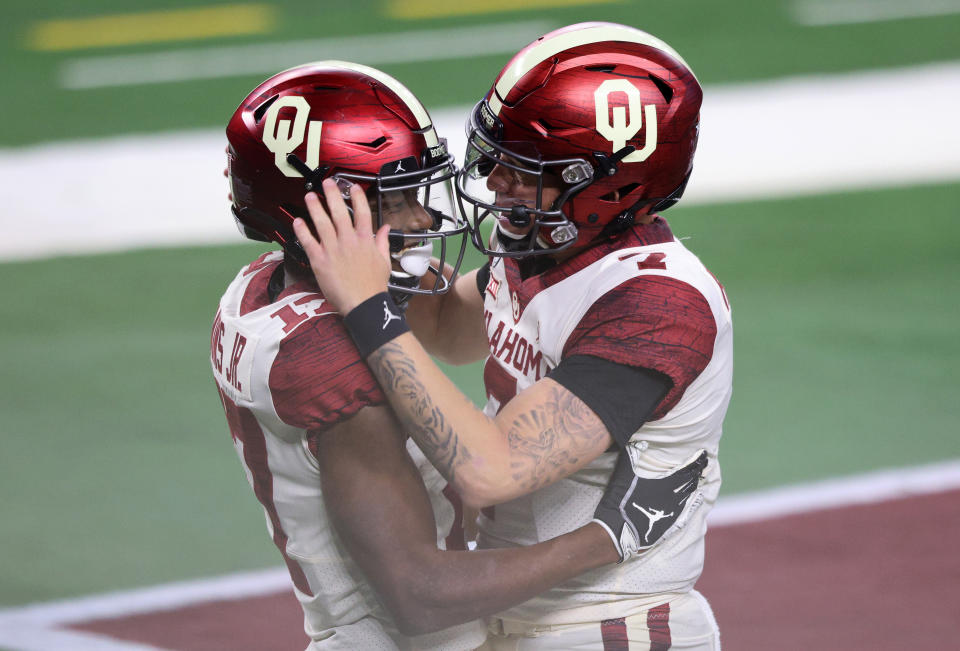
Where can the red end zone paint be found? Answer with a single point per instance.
(270, 623)
(832, 579)
(880, 576)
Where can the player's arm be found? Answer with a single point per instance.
(380, 508)
(450, 325)
(545, 433)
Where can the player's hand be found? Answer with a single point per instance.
(638, 512)
(348, 261)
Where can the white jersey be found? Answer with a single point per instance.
(649, 303)
(286, 370)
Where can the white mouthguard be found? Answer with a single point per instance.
(415, 260)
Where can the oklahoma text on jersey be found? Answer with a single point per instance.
(645, 301)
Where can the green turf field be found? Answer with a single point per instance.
(729, 41)
(117, 469)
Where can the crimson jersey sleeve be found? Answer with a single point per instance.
(318, 378)
(653, 322)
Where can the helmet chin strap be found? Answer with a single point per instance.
(512, 241)
(520, 241)
(528, 265)
(507, 234)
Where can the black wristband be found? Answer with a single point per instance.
(483, 278)
(375, 322)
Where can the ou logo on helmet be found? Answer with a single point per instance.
(625, 124)
(281, 137)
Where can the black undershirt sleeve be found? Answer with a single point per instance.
(483, 277)
(623, 397)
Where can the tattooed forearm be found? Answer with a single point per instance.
(552, 436)
(568, 429)
(417, 412)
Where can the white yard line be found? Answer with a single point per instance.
(167, 596)
(867, 488)
(816, 13)
(267, 58)
(27, 637)
(817, 134)
(35, 627)
(804, 135)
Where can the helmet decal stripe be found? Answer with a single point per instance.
(359, 126)
(602, 121)
(548, 47)
(401, 91)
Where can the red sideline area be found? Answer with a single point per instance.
(877, 577)
(874, 578)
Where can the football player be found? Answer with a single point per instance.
(600, 329)
(357, 514)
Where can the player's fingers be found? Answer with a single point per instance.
(339, 214)
(383, 241)
(311, 246)
(302, 231)
(321, 221)
(362, 219)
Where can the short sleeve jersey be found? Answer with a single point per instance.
(286, 370)
(652, 322)
(646, 301)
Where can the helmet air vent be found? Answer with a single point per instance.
(620, 193)
(258, 114)
(373, 144)
(663, 87)
(543, 127)
(604, 68)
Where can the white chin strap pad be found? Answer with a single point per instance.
(508, 234)
(415, 260)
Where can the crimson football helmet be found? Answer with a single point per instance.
(357, 125)
(606, 113)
